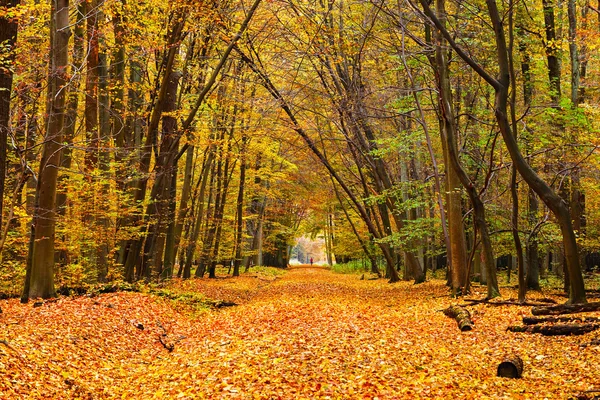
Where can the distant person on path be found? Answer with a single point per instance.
(311, 261)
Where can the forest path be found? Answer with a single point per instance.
(308, 334)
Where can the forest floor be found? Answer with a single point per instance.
(308, 333)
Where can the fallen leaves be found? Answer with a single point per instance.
(310, 334)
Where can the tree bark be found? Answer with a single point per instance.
(42, 269)
(8, 38)
(462, 317)
(552, 49)
(511, 367)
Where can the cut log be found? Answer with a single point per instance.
(511, 367)
(542, 320)
(556, 330)
(566, 309)
(462, 317)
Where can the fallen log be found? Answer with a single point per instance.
(556, 330)
(470, 302)
(511, 367)
(542, 320)
(222, 303)
(566, 309)
(462, 317)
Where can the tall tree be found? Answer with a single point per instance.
(41, 277)
(8, 38)
(501, 88)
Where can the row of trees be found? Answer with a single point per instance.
(152, 138)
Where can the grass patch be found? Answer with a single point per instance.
(352, 267)
(266, 271)
(189, 302)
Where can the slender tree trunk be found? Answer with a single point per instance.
(191, 247)
(184, 211)
(8, 38)
(91, 88)
(514, 190)
(103, 221)
(532, 260)
(552, 49)
(237, 258)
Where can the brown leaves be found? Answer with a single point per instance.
(307, 335)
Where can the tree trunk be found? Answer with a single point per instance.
(42, 268)
(8, 38)
(102, 244)
(191, 247)
(552, 48)
(184, 211)
(556, 330)
(450, 137)
(239, 227)
(514, 190)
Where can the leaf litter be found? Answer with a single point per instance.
(310, 334)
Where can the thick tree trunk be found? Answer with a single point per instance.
(71, 115)
(543, 320)
(42, 268)
(103, 244)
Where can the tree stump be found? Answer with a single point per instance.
(462, 317)
(511, 367)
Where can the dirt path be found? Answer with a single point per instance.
(309, 334)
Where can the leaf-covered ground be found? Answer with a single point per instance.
(307, 334)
